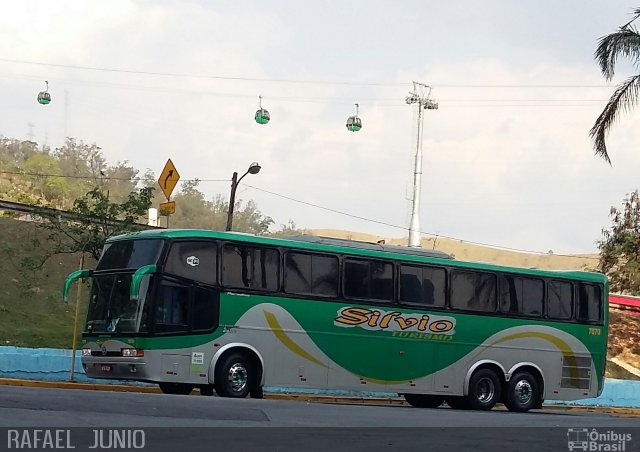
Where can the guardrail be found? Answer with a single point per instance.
(10, 206)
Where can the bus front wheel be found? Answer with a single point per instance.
(234, 376)
(522, 392)
(424, 401)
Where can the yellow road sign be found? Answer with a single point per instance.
(168, 179)
(168, 208)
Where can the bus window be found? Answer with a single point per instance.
(521, 295)
(473, 291)
(422, 285)
(172, 308)
(368, 279)
(560, 300)
(249, 267)
(311, 274)
(122, 254)
(206, 306)
(589, 303)
(193, 260)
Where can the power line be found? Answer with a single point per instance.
(317, 206)
(406, 229)
(299, 81)
(202, 76)
(131, 179)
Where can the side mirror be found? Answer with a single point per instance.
(134, 293)
(78, 274)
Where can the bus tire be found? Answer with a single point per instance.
(423, 400)
(522, 392)
(458, 402)
(175, 388)
(484, 390)
(234, 376)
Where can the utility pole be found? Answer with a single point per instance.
(420, 96)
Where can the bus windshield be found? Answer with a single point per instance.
(129, 254)
(111, 309)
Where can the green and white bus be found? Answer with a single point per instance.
(233, 312)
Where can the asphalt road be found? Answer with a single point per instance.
(192, 423)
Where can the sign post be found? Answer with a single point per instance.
(168, 180)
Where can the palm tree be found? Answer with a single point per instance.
(625, 42)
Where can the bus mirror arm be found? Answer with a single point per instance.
(134, 293)
(78, 274)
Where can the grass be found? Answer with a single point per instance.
(32, 312)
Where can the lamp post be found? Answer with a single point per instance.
(254, 168)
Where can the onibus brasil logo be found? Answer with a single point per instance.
(398, 322)
(594, 440)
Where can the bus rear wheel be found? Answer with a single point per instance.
(234, 376)
(522, 392)
(484, 390)
(176, 388)
(424, 401)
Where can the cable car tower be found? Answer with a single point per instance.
(420, 96)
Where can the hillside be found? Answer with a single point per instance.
(32, 313)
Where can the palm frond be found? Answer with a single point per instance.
(625, 42)
(624, 98)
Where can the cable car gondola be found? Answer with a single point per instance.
(354, 123)
(262, 115)
(43, 96)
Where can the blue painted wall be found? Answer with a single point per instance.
(55, 364)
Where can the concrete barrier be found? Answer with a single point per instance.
(49, 364)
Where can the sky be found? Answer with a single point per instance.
(507, 160)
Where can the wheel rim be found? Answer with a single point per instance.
(237, 377)
(524, 391)
(485, 390)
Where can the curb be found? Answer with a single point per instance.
(309, 398)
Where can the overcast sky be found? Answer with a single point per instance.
(507, 157)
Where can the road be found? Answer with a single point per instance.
(329, 427)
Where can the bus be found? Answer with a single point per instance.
(231, 313)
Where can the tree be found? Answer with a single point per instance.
(620, 247)
(624, 42)
(92, 220)
(289, 229)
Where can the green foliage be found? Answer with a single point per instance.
(623, 42)
(94, 219)
(288, 229)
(620, 247)
(194, 211)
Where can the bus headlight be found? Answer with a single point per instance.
(86, 352)
(129, 352)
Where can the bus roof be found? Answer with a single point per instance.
(341, 246)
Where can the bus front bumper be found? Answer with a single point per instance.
(115, 369)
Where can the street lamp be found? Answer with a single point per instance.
(254, 168)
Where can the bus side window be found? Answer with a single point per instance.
(425, 286)
(560, 300)
(589, 303)
(172, 308)
(410, 288)
(473, 291)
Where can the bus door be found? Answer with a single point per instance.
(182, 311)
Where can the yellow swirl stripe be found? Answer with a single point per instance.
(287, 341)
(564, 348)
